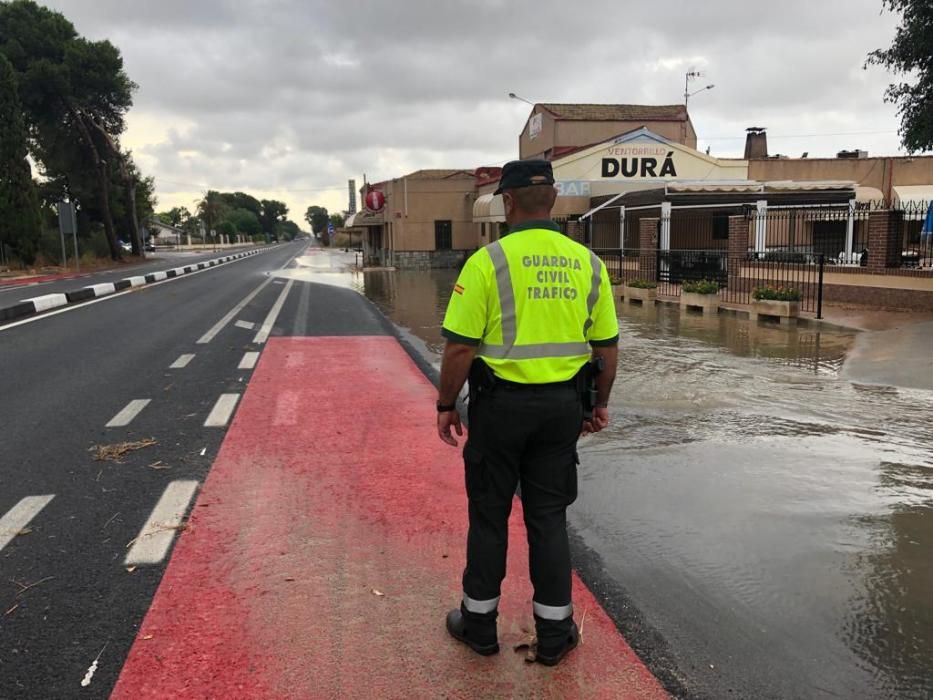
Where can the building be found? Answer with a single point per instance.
(553, 130)
(619, 166)
(426, 221)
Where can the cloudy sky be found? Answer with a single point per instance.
(290, 98)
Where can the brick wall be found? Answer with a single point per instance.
(425, 259)
(648, 243)
(879, 297)
(884, 246)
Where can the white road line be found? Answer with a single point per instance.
(221, 324)
(91, 302)
(249, 360)
(263, 335)
(223, 409)
(126, 416)
(248, 325)
(19, 516)
(155, 538)
(182, 361)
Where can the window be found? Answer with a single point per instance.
(443, 235)
(720, 227)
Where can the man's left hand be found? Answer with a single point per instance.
(446, 421)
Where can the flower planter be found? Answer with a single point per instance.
(785, 311)
(706, 303)
(642, 296)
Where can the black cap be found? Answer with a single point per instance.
(525, 173)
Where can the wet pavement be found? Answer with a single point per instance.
(764, 504)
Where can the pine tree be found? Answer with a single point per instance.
(20, 219)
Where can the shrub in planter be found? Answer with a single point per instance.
(776, 294)
(700, 287)
(641, 284)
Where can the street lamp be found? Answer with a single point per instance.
(522, 99)
(691, 75)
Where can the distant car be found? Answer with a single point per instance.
(150, 246)
(127, 248)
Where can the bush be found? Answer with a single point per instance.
(700, 287)
(776, 294)
(642, 284)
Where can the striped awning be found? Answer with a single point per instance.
(488, 208)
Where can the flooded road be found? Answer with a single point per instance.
(771, 520)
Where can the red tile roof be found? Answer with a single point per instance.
(612, 113)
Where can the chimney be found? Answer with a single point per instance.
(756, 143)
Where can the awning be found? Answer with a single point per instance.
(914, 200)
(488, 208)
(808, 185)
(868, 194)
(365, 218)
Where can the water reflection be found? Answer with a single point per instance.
(764, 513)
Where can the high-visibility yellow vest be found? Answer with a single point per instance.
(534, 303)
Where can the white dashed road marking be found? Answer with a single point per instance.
(126, 416)
(248, 325)
(182, 361)
(223, 409)
(263, 335)
(249, 360)
(18, 517)
(221, 324)
(155, 538)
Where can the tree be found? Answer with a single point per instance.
(338, 220)
(241, 200)
(225, 228)
(273, 213)
(245, 221)
(176, 216)
(75, 96)
(911, 54)
(288, 230)
(20, 221)
(212, 210)
(317, 218)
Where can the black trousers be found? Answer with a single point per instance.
(523, 435)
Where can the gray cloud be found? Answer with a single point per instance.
(296, 95)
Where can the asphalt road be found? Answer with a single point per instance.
(162, 260)
(68, 521)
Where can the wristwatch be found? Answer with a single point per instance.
(446, 408)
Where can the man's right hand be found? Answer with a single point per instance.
(598, 422)
(446, 421)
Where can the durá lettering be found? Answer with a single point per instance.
(645, 167)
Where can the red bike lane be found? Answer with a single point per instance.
(326, 547)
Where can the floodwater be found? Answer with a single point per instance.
(770, 519)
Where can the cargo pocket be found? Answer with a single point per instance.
(571, 489)
(475, 467)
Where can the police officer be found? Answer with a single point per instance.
(527, 315)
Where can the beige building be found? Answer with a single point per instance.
(553, 130)
(427, 220)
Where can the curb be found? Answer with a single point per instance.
(47, 302)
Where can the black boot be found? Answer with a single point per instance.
(555, 640)
(476, 631)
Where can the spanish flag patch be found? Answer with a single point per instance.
(458, 288)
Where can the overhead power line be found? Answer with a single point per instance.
(798, 136)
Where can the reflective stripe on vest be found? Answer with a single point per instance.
(508, 350)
